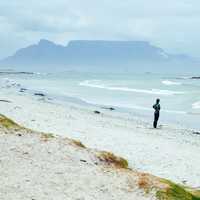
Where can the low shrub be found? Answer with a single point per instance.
(78, 144)
(46, 136)
(111, 159)
(8, 123)
(177, 192)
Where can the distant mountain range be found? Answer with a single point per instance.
(93, 53)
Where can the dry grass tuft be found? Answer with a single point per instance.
(78, 144)
(145, 182)
(47, 136)
(8, 123)
(111, 159)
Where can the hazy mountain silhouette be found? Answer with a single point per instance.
(93, 53)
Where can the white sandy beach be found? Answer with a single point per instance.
(168, 152)
(40, 166)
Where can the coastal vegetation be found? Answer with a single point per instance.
(78, 144)
(111, 159)
(174, 191)
(161, 189)
(47, 136)
(8, 123)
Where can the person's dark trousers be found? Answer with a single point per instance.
(156, 117)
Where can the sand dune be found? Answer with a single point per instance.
(44, 166)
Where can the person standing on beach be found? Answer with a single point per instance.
(156, 107)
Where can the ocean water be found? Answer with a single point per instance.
(130, 92)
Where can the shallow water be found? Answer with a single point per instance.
(133, 93)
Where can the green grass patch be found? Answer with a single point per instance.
(177, 192)
(8, 123)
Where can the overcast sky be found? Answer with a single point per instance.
(172, 24)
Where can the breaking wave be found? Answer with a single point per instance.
(196, 105)
(98, 84)
(167, 82)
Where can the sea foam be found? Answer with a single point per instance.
(98, 84)
(196, 105)
(167, 82)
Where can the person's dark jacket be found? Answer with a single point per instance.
(156, 107)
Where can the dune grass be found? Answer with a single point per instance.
(144, 182)
(177, 192)
(78, 144)
(165, 189)
(47, 136)
(111, 159)
(8, 123)
(170, 191)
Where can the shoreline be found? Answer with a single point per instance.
(169, 152)
(182, 117)
(135, 113)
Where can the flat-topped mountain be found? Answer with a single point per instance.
(91, 52)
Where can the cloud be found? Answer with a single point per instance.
(172, 24)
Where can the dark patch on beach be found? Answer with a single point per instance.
(97, 112)
(108, 108)
(196, 132)
(22, 90)
(39, 94)
(195, 77)
(6, 101)
(5, 73)
(83, 160)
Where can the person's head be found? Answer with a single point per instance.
(157, 100)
